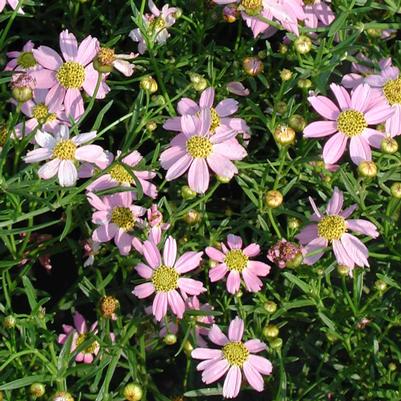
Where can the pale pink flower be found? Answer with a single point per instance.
(80, 333)
(156, 26)
(349, 121)
(332, 229)
(22, 60)
(164, 278)
(237, 88)
(318, 13)
(12, 3)
(234, 260)
(107, 58)
(197, 149)
(91, 249)
(222, 120)
(117, 217)
(286, 12)
(66, 78)
(234, 357)
(47, 116)
(200, 330)
(119, 176)
(283, 253)
(64, 153)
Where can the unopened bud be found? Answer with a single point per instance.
(188, 347)
(374, 33)
(392, 366)
(170, 339)
(187, 193)
(151, 126)
(270, 306)
(178, 13)
(192, 217)
(380, 285)
(273, 199)
(297, 122)
(62, 396)
(303, 44)
(201, 85)
(294, 223)
(230, 13)
(283, 49)
(9, 322)
(37, 390)
(22, 86)
(285, 74)
(133, 392)
(271, 331)
(223, 180)
(396, 190)
(367, 169)
(304, 83)
(252, 66)
(281, 107)
(276, 343)
(284, 135)
(149, 84)
(389, 145)
(343, 270)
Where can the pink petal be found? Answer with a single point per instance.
(374, 138)
(207, 98)
(74, 104)
(159, 307)
(187, 106)
(221, 165)
(363, 227)
(206, 353)
(319, 129)
(44, 78)
(80, 323)
(342, 96)
(68, 45)
(233, 282)
(188, 261)
(314, 245)
(214, 371)
(252, 282)
(152, 254)
(144, 270)
(179, 167)
(216, 336)
(215, 254)
(105, 233)
(236, 329)
(227, 107)
(255, 346)
(252, 250)
(341, 254)
(143, 290)
(123, 242)
(49, 170)
(336, 202)
(307, 234)
(67, 173)
(47, 58)
(360, 97)
(176, 303)
(231, 150)
(87, 50)
(356, 250)
(334, 148)
(234, 241)
(232, 382)
(359, 150)
(253, 377)
(170, 251)
(190, 286)
(258, 268)
(218, 272)
(324, 106)
(198, 176)
(261, 364)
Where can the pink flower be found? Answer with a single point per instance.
(23, 60)
(388, 84)
(286, 12)
(200, 330)
(332, 229)
(233, 358)
(235, 260)
(106, 60)
(164, 278)
(349, 121)
(317, 11)
(156, 26)
(66, 79)
(237, 88)
(117, 216)
(197, 149)
(119, 176)
(91, 249)
(283, 253)
(47, 116)
(12, 3)
(63, 152)
(221, 120)
(79, 334)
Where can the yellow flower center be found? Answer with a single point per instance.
(199, 146)
(309, 2)
(252, 7)
(121, 175)
(105, 56)
(91, 348)
(71, 75)
(41, 113)
(26, 60)
(123, 218)
(331, 227)
(157, 25)
(65, 150)
(108, 305)
(351, 122)
(3, 135)
(165, 279)
(392, 91)
(235, 353)
(236, 260)
(215, 120)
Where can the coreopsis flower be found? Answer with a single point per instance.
(118, 175)
(388, 84)
(46, 116)
(197, 148)
(222, 120)
(318, 12)
(285, 253)
(156, 26)
(22, 85)
(234, 357)
(164, 278)
(22, 60)
(63, 153)
(12, 3)
(349, 121)
(286, 12)
(234, 260)
(117, 217)
(80, 333)
(237, 88)
(359, 72)
(66, 78)
(200, 330)
(106, 60)
(332, 229)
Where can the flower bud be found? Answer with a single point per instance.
(239, 294)
(284, 135)
(262, 54)
(281, 107)
(331, 337)
(192, 217)
(62, 396)
(108, 307)
(294, 223)
(271, 331)
(133, 392)
(178, 13)
(104, 59)
(389, 145)
(343, 270)
(276, 344)
(37, 390)
(230, 13)
(374, 33)
(303, 44)
(9, 322)
(304, 83)
(201, 85)
(380, 285)
(297, 122)
(396, 190)
(392, 367)
(296, 261)
(195, 78)
(187, 193)
(188, 347)
(151, 126)
(22, 86)
(285, 254)
(159, 100)
(367, 169)
(223, 180)
(273, 199)
(285, 74)
(170, 339)
(252, 66)
(148, 84)
(270, 306)
(283, 49)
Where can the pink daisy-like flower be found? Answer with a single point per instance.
(388, 84)
(117, 216)
(235, 260)
(80, 333)
(47, 116)
(164, 278)
(350, 121)
(106, 60)
(22, 60)
(12, 3)
(234, 357)
(64, 153)
(318, 13)
(332, 228)
(119, 176)
(156, 26)
(286, 12)
(221, 120)
(197, 149)
(66, 78)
